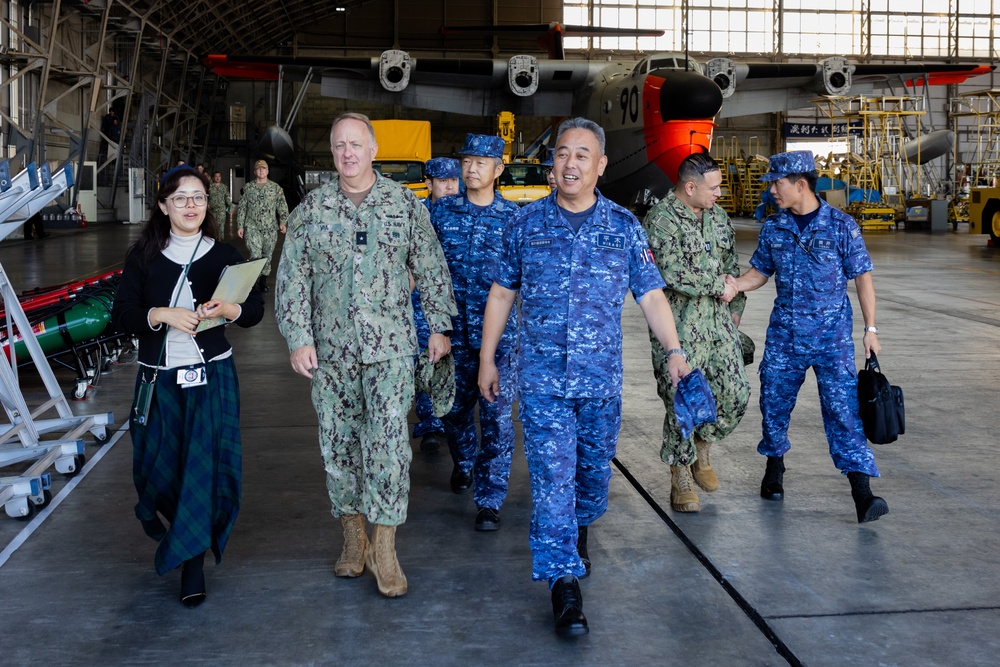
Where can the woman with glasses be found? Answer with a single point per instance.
(186, 454)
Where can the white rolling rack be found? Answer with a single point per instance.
(20, 440)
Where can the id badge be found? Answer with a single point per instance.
(193, 376)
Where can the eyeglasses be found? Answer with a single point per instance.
(180, 201)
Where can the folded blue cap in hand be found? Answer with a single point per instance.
(694, 403)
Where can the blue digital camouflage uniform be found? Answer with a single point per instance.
(429, 423)
(692, 253)
(438, 167)
(572, 289)
(811, 325)
(471, 239)
(343, 287)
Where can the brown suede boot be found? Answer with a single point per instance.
(383, 564)
(683, 497)
(352, 559)
(701, 469)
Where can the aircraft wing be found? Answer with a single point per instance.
(523, 85)
(526, 85)
(753, 88)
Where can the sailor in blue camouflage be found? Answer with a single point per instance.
(694, 244)
(470, 227)
(261, 213)
(572, 257)
(812, 255)
(441, 175)
(342, 304)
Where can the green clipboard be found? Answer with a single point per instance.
(234, 286)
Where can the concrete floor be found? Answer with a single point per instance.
(744, 582)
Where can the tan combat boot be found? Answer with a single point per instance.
(352, 559)
(683, 497)
(704, 474)
(383, 564)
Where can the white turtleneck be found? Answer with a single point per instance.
(182, 350)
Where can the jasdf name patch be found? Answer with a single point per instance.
(611, 241)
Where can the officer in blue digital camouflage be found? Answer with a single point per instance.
(572, 257)
(442, 177)
(342, 304)
(694, 244)
(470, 227)
(812, 250)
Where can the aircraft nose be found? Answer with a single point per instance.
(687, 95)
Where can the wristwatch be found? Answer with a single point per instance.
(677, 350)
(874, 330)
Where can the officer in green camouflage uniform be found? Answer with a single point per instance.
(262, 212)
(220, 202)
(694, 245)
(343, 305)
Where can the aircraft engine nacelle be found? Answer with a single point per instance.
(394, 70)
(837, 75)
(723, 72)
(522, 75)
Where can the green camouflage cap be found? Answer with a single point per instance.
(437, 381)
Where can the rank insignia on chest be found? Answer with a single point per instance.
(539, 243)
(361, 238)
(614, 241)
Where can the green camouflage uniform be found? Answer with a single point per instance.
(692, 255)
(343, 288)
(219, 202)
(262, 210)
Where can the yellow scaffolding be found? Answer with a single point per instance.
(726, 154)
(876, 164)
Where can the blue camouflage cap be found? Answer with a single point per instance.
(442, 167)
(694, 403)
(792, 162)
(485, 145)
(548, 157)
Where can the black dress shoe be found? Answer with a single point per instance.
(431, 443)
(581, 548)
(193, 581)
(487, 519)
(460, 481)
(771, 487)
(567, 607)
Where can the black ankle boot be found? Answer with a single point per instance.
(869, 506)
(581, 548)
(193, 581)
(567, 607)
(771, 486)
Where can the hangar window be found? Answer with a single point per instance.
(930, 29)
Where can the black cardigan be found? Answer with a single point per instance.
(150, 286)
